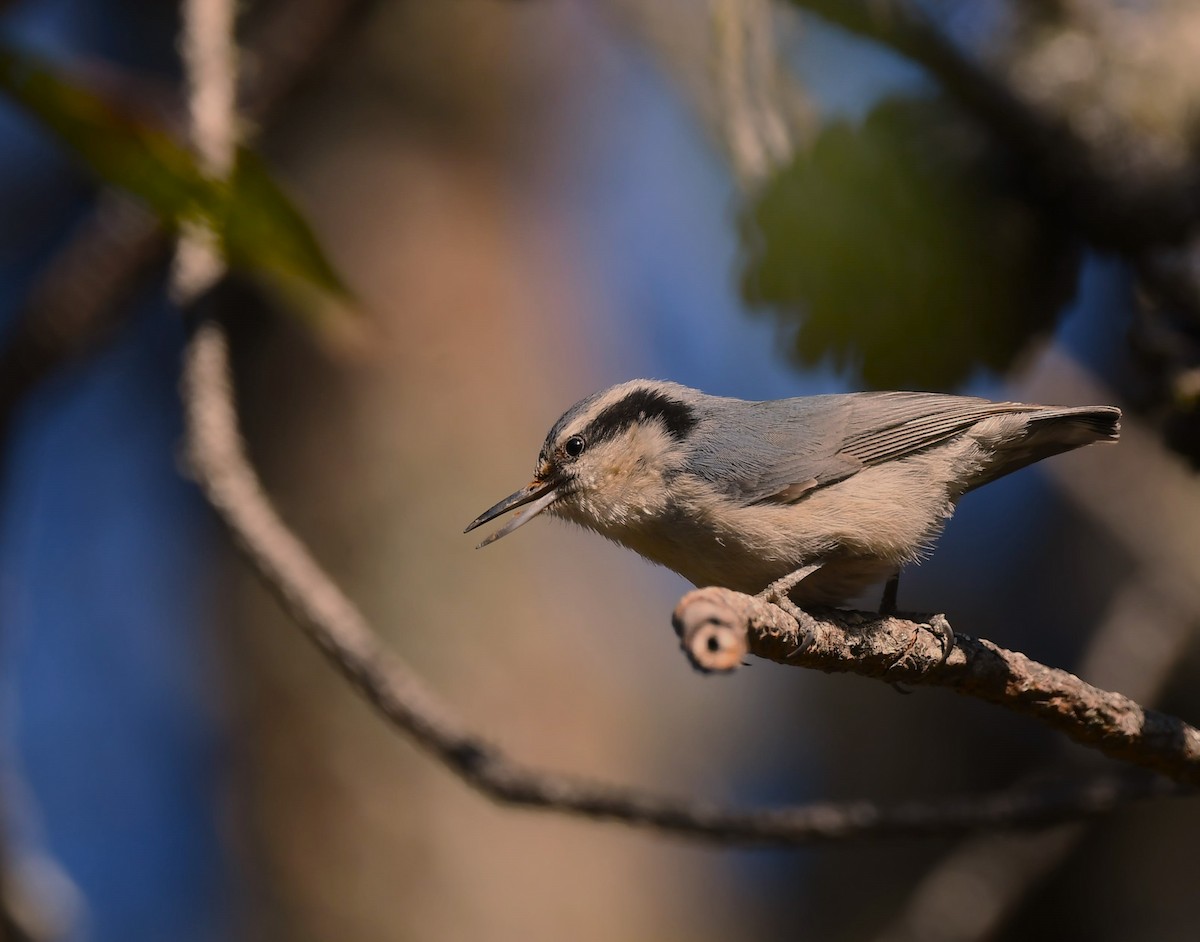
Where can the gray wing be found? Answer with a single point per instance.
(786, 448)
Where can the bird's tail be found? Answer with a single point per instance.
(1049, 431)
(1066, 427)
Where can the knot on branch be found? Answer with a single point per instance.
(718, 628)
(712, 629)
(715, 627)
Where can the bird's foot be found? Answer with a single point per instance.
(940, 628)
(778, 590)
(804, 624)
(777, 594)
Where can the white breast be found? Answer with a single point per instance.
(863, 528)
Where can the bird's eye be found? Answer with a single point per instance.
(574, 446)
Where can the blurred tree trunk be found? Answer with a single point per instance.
(410, 155)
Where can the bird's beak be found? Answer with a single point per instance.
(537, 494)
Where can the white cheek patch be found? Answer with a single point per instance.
(631, 457)
(650, 444)
(627, 483)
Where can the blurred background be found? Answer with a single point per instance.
(529, 201)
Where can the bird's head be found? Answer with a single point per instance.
(607, 462)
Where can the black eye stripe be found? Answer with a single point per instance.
(678, 418)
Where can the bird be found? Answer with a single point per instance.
(806, 501)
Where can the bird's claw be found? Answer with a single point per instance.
(940, 628)
(777, 594)
(804, 630)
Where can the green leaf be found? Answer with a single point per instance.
(265, 232)
(903, 250)
(258, 227)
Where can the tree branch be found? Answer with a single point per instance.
(332, 622)
(718, 627)
(1113, 210)
(209, 52)
(1145, 614)
(79, 298)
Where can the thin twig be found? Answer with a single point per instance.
(79, 299)
(80, 296)
(718, 627)
(208, 48)
(217, 458)
(997, 872)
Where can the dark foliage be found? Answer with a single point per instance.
(904, 251)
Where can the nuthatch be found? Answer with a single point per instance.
(809, 499)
